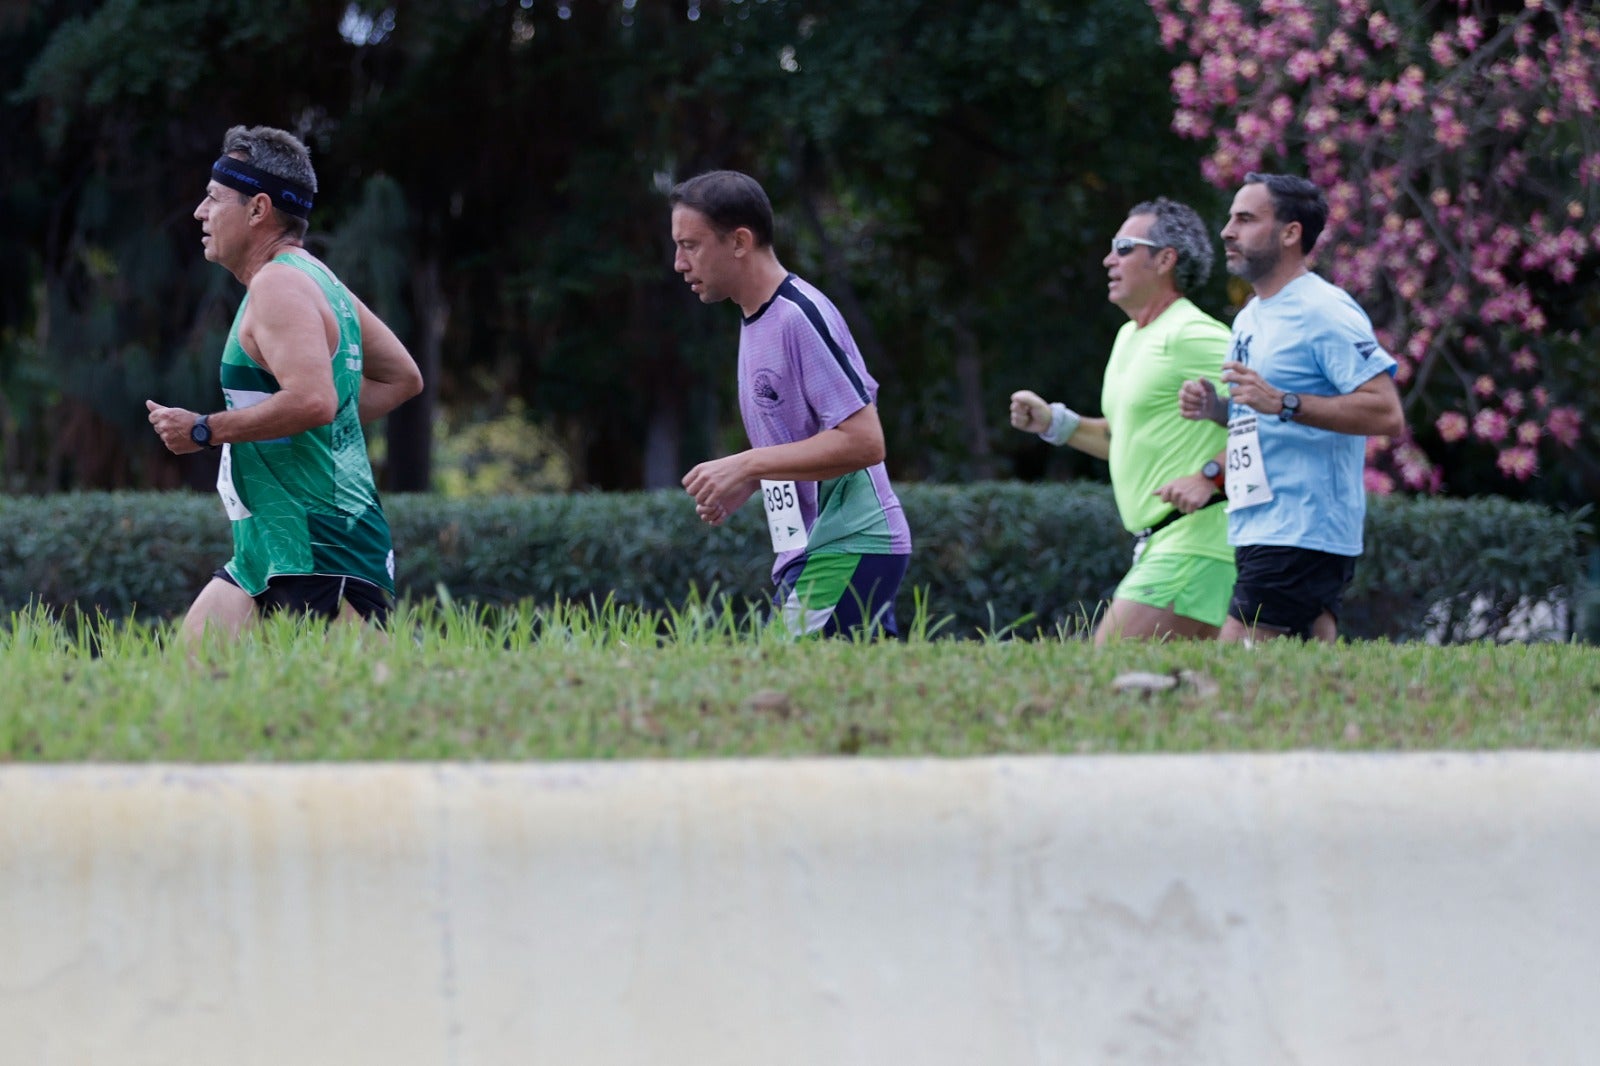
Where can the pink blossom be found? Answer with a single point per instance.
(1489, 425)
(1563, 423)
(1302, 65)
(1408, 92)
(1381, 30)
(1431, 223)
(1171, 31)
(1441, 51)
(1452, 426)
(1377, 482)
(1520, 463)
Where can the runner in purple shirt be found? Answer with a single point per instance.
(809, 409)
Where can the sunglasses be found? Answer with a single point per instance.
(1124, 246)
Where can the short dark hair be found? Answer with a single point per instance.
(1178, 227)
(729, 200)
(1294, 199)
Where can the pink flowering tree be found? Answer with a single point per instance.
(1458, 142)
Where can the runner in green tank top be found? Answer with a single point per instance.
(305, 364)
(1183, 568)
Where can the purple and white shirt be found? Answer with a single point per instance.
(800, 374)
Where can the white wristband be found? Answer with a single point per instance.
(1063, 424)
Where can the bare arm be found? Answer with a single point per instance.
(389, 376)
(854, 444)
(1031, 414)
(1371, 410)
(285, 332)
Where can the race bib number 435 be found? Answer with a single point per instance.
(782, 503)
(1247, 484)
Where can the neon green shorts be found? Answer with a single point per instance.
(1194, 586)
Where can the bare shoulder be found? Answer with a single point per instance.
(278, 282)
(284, 303)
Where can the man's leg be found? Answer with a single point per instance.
(1237, 632)
(1169, 595)
(1326, 628)
(222, 607)
(1128, 620)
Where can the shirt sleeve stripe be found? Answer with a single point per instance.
(814, 315)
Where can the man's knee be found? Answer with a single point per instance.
(221, 607)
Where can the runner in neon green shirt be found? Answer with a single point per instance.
(1183, 571)
(305, 364)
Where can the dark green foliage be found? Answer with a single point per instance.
(991, 556)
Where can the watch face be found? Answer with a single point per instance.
(200, 433)
(1211, 469)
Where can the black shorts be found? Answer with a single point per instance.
(322, 595)
(1288, 588)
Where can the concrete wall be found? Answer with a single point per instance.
(1242, 910)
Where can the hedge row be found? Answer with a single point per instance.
(988, 554)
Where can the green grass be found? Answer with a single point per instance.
(574, 683)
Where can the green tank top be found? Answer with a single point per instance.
(304, 504)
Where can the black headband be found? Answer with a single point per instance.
(289, 196)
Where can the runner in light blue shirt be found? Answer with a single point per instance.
(1309, 339)
(1307, 382)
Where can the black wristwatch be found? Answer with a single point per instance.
(1291, 407)
(200, 433)
(1212, 472)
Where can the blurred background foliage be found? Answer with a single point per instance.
(492, 182)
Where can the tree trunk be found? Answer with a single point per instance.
(663, 444)
(969, 378)
(410, 426)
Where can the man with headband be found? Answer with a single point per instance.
(305, 364)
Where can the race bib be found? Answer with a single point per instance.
(782, 502)
(230, 495)
(1247, 484)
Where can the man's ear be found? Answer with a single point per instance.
(1291, 234)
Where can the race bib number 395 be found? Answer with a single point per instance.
(1247, 484)
(782, 504)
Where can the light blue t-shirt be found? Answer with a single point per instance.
(1310, 338)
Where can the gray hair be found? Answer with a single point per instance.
(279, 153)
(1178, 227)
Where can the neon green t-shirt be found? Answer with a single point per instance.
(1151, 443)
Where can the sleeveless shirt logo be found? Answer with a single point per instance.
(764, 389)
(1241, 349)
